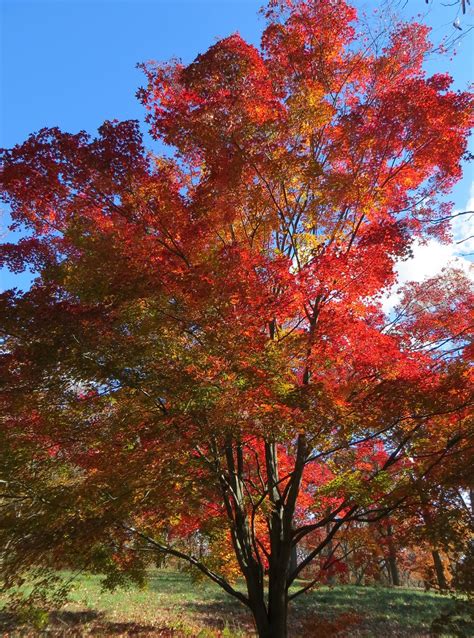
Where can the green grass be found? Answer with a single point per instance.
(173, 605)
(382, 611)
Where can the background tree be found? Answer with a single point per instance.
(204, 354)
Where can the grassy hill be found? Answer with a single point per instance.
(172, 605)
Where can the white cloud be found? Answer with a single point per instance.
(431, 257)
(463, 227)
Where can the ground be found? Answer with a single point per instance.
(174, 606)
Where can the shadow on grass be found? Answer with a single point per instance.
(76, 624)
(208, 605)
(217, 616)
(383, 611)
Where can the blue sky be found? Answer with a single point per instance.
(71, 63)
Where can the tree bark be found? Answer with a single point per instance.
(392, 559)
(438, 565)
(293, 559)
(260, 613)
(329, 550)
(271, 621)
(393, 569)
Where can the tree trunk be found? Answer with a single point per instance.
(271, 621)
(270, 614)
(293, 559)
(392, 559)
(261, 621)
(393, 569)
(438, 565)
(268, 629)
(278, 619)
(329, 551)
(277, 594)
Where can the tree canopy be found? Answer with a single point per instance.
(204, 353)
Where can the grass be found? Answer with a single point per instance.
(172, 605)
(382, 611)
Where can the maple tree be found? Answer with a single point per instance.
(202, 367)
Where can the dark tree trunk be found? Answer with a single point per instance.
(329, 551)
(277, 590)
(392, 559)
(293, 559)
(271, 620)
(438, 565)
(260, 616)
(278, 613)
(393, 569)
(277, 628)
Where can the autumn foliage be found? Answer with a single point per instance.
(203, 360)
